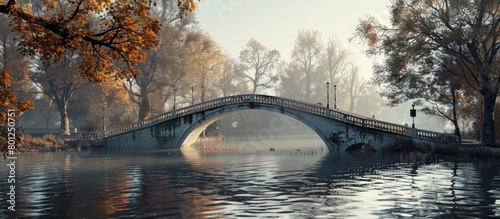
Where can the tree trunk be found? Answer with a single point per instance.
(255, 80)
(144, 107)
(351, 103)
(63, 111)
(455, 117)
(488, 135)
(47, 124)
(308, 86)
(457, 131)
(202, 99)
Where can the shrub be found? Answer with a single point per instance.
(46, 142)
(92, 124)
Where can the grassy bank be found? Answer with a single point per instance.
(47, 142)
(472, 150)
(468, 150)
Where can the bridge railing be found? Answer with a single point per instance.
(436, 136)
(291, 104)
(390, 127)
(88, 135)
(180, 112)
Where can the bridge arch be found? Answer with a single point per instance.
(336, 128)
(190, 135)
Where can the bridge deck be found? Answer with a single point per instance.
(305, 107)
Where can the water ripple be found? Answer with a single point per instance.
(167, 184)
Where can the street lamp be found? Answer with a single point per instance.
(103, 116)
(335, 96)
(192, 95)
(328, 95)
(413, 114)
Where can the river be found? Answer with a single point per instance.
(250, 181)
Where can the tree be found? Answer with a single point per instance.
(369, 102)
(187, 7)
(105, 33)
(204, 62)
(89, 103)
(448, 93)
(303, 77)
(334, 60)
(57, 82)
(17, 64)
(229, 82)
(423, 33)
(444, 96)
(10, 110)
(159, 71)
(307, 54)
(258, 64)
(292, 82)
(354, 85)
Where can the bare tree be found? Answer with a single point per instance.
(307, 55)
(354, 85)
(229, 82)
(258, 64)
(334, 60)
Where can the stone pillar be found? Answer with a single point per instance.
(413, 132)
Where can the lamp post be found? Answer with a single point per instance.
(103, 117)
(335, 96)
(328, 95)
(175, 89)
(192, 95)
(413, 114)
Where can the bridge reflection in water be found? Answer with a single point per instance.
(230, 184)
(338, 129)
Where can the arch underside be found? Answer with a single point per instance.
(190, 135)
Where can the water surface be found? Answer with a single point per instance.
(251, 182)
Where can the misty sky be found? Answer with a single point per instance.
(275, 23)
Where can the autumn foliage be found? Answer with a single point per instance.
(8, 103)
(111, 36)
(423, 35)
(187, 6)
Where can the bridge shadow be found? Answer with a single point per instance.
(361, 147)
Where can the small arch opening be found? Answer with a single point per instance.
(361, 147)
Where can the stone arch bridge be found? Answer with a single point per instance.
(339, 130)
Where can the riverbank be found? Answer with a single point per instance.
(471, 150)
(51, 142)
(467, 149)
(45, 143)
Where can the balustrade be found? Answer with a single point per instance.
(286, 103)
